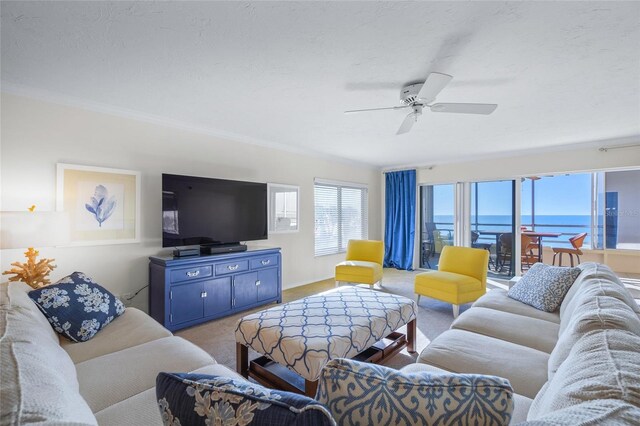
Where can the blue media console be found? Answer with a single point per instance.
(192, 290)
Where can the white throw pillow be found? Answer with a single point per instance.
(37, 378)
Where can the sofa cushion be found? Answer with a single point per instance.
(37, 379)
(603, 364)
(522, 330)
(201, 399)
(111, 378)
(598, 313)
(362, 393)
(597, 281)
(418, 367)
(142, 408)
(544, 286)
(133, 328)
(15, 295)
(601, 412)
(77, 307)
(589, 270)
(497, 299)
(466, 352)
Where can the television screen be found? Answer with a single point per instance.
(201, 211)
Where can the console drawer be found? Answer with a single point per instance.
(192, 273)
(264, 262)
(231, 267)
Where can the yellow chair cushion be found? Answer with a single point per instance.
(367, 250)
(445, 281)
(465, 261)
(359, 271)
(461, 276)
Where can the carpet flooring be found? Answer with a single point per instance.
(218, 337)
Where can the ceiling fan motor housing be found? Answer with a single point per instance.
(409, 93)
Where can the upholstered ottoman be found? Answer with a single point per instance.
(303, 335)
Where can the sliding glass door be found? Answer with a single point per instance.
(492, 223)
(437, 208)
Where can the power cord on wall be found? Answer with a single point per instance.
(136, 293)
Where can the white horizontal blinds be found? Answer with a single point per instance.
(327, 219)
(340, 214)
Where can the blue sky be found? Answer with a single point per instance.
(557, 195)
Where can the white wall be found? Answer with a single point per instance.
(36, 135)
(532, 164)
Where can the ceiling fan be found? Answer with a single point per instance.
(419, 95)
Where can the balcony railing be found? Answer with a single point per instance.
(566, 231)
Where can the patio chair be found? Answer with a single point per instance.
(527, 256)
(576, 243)
(438, 237)
(484, 246)
(506, 248)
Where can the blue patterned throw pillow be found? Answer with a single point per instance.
(544, 286)
(358, 393)
(77, 307)
(201, 399)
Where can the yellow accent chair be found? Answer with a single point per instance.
(363, 263)
(461, 277)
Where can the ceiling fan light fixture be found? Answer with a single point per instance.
(418, 95)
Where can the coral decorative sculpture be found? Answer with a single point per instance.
(33, 273)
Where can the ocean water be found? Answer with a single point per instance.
(568, 225)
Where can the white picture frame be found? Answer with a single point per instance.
(103, 204)
(284, 208)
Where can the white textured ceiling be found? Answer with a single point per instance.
(282, 73)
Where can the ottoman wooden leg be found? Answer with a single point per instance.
(411, 336)
(310, 388)
(242, 359)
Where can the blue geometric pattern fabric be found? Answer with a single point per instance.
(77, 307)
(199, 399)
(358, 393)
(305, 334)
(544, 286)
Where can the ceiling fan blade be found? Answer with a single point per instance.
(434, 84)
(464, 108)
(376, 109)
(407, 124)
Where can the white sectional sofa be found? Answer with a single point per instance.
(108, 380)
(567, 367)
(576, 365)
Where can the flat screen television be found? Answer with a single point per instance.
(205, 211)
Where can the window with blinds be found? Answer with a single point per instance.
(340, 215)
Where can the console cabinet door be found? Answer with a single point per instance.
(186, 302)
(244, 289)
(218, 296)
(268, 287)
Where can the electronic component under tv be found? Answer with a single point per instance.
(205, 211)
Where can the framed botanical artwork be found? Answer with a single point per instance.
(283, 208)
(103, 204)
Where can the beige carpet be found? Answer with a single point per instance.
(217, 337)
